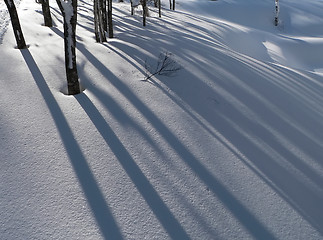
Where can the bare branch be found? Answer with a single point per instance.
(166, 66)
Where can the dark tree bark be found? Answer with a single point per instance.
(98, 21)
(144, 12)
(46, 12)
(69, 12)
(132, 7)
(173, 4)
(16, 24)
(159, 8)
(276, 12)
(110, 23)
(104, 15)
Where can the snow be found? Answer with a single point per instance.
(229, 147)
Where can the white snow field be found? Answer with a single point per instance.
(229, 147)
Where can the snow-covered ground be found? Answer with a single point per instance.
(229, 147)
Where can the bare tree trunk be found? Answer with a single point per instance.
(104, 15)
(159, 8)
(110, 23)
(277, 12)
(173, 4)
(170, 4)
(144, 12)
(16, 24)
(69, 12)
(132, 7)
(98, 21)
(46, 12)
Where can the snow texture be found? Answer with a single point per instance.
(229, 147)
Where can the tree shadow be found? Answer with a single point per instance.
(281, 179)
(245, 217)
(239, 130)
(156, 204)
(115, 109)
(263, 163)
(101, 212)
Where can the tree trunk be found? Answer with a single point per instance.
(159, 8)
(69, 12)
(277, 12)
(173, 4)
(110, 23)
(132, 7)
(144, 12)
(46, 12)
(98, 21)
(170, 4)
(104, 15)
(16, 24)
(103, 20)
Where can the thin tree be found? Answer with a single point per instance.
(104, 15)
(99, 21)
(173, 4)
(144, 11)
(134, 4)
(69, 12)
(110, 23)
(276, 12)
(16, 24)
(48, 22)
(159, 7)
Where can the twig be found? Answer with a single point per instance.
(166, 66)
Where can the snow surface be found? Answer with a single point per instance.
(229, 147)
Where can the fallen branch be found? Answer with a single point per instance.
(166, 66)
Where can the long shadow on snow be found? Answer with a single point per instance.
(257, 229)
(278, 190)
(138, 56)
(169, 222)
(301, 198)
(103, 216)
(160, 209)
(196, 38)
(282, 184)
(115, 109)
